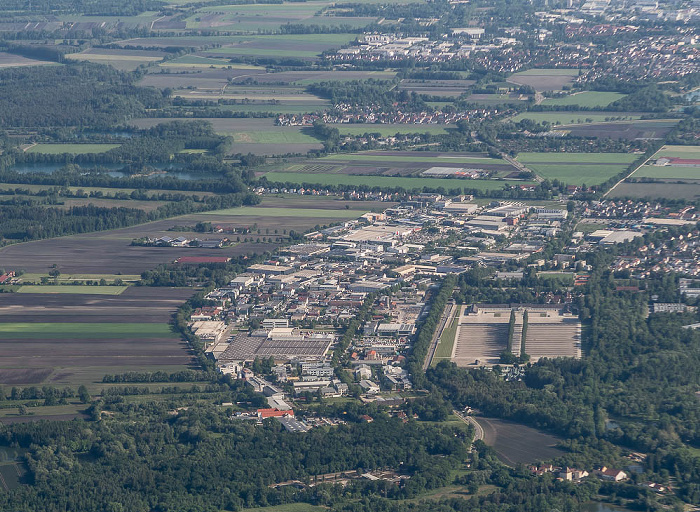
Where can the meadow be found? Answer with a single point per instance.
(543, 79)
(691, 152)
(50, 330)
(74, 149)
(577, 168)
(292, 212)
(405, 158)
(590, 99)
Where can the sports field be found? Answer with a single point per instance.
(65, 288)
(74, 149)
(591, 99)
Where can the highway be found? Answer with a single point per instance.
(446, 316)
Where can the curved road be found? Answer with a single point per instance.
(478, 430)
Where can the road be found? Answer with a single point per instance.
(478, 430)
(446, 316)
(630, 174)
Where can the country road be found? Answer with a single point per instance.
(446, 316)
(478, 430)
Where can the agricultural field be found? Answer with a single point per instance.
(590, 99)
(111, 252)
(10, 60)
(74, 149)
(575, 118)
(298, 46)
(323, 179)
(388, 130)
(76, 339)
(668, 172)
(72, 289)
(543, 79)
(686, 191)
(495, 99)
(652, 129)
(123, 60)
(445, 88)
(690, 152)
(515, 443)
(258, 136)
(69, 278)
(254, 18)
(577, 168)
(293, 212)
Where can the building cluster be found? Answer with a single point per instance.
(678, 254)
(373, 114)
(460, 43)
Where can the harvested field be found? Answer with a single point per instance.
(576, 118)
(690, 152)
(637, 130)
(124, 60)
(202, 79)
(685, 190)
(75, 339)
(110, 252)
(516, 443)
(544, 79)
(10, 60)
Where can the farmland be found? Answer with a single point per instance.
(687, 191)
(589, 99)
(325, 179)
(542, 79)
(692, 152)
(75, 149)
(10, 60)
(80, 289)
(387, 130)
(515, 443)
(653, 129)
(125, 60)
(574, 118)
(577, 168)
(76, 339)
(82, 254)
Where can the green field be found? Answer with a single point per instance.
(565, 118)
(288, 212)
(359, 157)
(577, 158)
(64, 288)
(32, 277)
(325, 179)
(577, 168)
(289, 507)
(83, 330)
(578, 174)
(679, 152)
(668, 172)
(75, 149)
(387, 130)
(286, 107)
(447, 340)
(292, 136)
(590, 99)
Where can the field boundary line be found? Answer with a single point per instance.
(633, 171)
